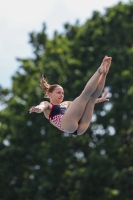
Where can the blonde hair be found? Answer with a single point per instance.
(47, 87)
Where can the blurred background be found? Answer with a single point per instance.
(19, 18)
(66, 40)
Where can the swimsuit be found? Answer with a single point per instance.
(56, 115)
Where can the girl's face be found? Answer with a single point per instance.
(57, 95)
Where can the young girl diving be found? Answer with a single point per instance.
(74, 117)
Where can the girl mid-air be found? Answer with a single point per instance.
(74, 117)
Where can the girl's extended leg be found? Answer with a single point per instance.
(75, 111)
(88, 112)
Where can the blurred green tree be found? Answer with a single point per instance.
(38, 161)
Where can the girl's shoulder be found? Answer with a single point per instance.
(46, 104)
(66, 103)
(48, 107)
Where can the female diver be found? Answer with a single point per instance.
(74, 117)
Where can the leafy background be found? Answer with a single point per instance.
(39, 162)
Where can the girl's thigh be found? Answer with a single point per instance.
(74, 113)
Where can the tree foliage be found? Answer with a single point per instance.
(38, 161)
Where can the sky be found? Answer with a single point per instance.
(18, 18)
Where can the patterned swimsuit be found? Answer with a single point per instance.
(56, 115)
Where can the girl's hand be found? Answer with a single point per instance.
(103, 98)
(35, 109)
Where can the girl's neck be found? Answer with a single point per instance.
(55, 102)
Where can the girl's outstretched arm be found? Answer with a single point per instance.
(103, 98)
(39, 108)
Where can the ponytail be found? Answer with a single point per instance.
(44, 85)
(47, 87)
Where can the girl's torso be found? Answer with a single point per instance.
(50, 107)
(54, 112)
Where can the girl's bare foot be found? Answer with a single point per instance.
(105, 65)
(108, 66)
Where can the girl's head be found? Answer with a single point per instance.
(54, 92)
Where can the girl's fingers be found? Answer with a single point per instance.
(105, 93)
